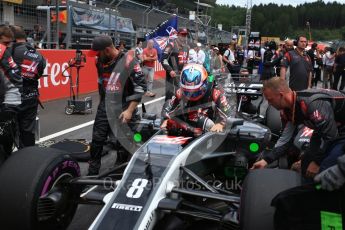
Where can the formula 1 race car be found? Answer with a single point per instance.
(171, 182)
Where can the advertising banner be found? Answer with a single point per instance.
(57, 86)
(268, 39)
(100, 20)
(14, 1)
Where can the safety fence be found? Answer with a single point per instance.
(62, 24)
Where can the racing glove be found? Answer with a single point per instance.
(334, 177)
(176, 125)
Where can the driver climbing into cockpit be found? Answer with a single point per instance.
(197, 105)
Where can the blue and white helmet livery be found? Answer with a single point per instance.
(194, 81)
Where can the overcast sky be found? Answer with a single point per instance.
(243, 3)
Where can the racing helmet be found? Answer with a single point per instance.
(194, 81)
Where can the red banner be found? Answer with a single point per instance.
(57, 86)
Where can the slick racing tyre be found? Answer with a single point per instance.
(259, 188)
(78, 149)
(273, 120)
(34, 194)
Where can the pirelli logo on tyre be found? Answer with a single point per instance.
(127, 207)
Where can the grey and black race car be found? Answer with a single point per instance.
(171, 182)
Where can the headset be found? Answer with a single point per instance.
(295, 42)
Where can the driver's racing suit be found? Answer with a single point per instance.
(109, 79)
(321, 110)
(201, 115)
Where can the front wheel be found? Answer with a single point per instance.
(259, 188)
(35, 193)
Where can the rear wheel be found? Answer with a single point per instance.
(35, 193)
(259, 188)
(273, 120)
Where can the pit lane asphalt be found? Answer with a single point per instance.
(53, 120)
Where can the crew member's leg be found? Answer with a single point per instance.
(336, 80)
(342, 84)
(169, 87)
(100, 133)
(27, 122)
(334, 151)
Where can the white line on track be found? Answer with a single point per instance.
(63, 132)
(89, 190)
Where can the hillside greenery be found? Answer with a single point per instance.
(327, 20)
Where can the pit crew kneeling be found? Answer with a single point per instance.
(319, 109)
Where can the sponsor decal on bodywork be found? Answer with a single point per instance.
(128, 207)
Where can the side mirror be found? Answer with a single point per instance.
(232, 122)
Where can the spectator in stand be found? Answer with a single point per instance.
(229, 59)
(150, 56)
(271, 59)
(192, 56)
(207, 61)
(139, 51)
(38, 35)
(339, 69)
(299, 64)
(240, 55)
(316, 60)
(328, 63)
(263, 49)
(280, 54)
(288, 45)
(250, 60)
(212, 47)
(122, 47)
(216, 61)
(200, 54)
